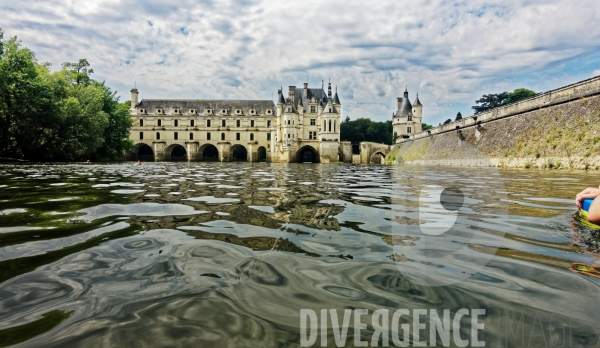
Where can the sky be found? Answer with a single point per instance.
(450, 52)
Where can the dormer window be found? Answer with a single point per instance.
(238, 111)
(176, 111)
(268, 112)
(252, 111)
(289, 110)
(159, 111)
(208, 111)
(142, 111)
(224, 111)
(410, 117)
(192, 111)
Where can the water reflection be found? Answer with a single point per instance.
(226, 254)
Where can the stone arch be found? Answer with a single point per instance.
(176, 152)
(239, 153)
(378, 157)
(143, 152)
(208, 153)
(307, 153)
(262, 154)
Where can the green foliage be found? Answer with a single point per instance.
(458, 116)
(490, 101)
(394, 137)
(426, 126)
(61, 116)
(363, 129)
(447, 121)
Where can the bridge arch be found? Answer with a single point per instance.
(307, 153)
(143, 152)
(262, 154)
(378, 157)
(208, 153)
(239, 153)
(176, 153)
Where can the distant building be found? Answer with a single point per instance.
(304, 127)
(409, 117)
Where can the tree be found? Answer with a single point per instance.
(519, 94)
(490, 101)
(363, 129)
(447, 121)
(394, 137)
(427, 126)
(60, 116)
(458, 116)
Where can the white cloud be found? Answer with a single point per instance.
(451, 53)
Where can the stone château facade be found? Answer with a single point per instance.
(304, 127)
(409, 117)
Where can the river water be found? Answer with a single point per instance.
(228, 254)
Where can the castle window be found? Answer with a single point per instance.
(223, 123)
(330, 110)
(207, 123)
(252, 112)
(141, 135)
(334, 127)
(239, 111)
(142, 111)
(324, 126)
(222, 136)
(237, 123)
(330, 125)
(223, 111)
(251, 123)
(269, 124)
(251, 136)
(289, 135)
(268, 136)
(176, 111)
(410, 117)
(289, 109)
(191, 123)
(313, 121)
(176, 123)
(208, 111)
(237, 136)
(313, 108)
(409, 130)
(175, 136)
(268, 112)
(208, 136)
(289, 122)
(192, 111)
(157, 136)
(191, 136)
(141, 122)
(159, 122)
(310, 136)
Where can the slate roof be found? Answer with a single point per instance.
(201, 105)
(417, 101)
(405, 108)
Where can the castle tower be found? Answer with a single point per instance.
(134, 98)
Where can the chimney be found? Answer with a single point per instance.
(305, 92)
(292, 92)
(134, 98)
(399, 102)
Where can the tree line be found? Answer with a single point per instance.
(63, 115)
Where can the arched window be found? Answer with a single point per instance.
(222, 136)
(157, 136)
(330, 125)
(334, 126)
(251, 136)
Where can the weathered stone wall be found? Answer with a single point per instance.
(563, 135)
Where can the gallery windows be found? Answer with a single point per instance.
(159, 122)
(176, 123)
(141, 135)
(313, 122)
(222, 136)
(157, 136)
(175, 136)
(208, 136)
(141, 122)
(251, 136)
(207, 123)
(191, 123)
(191, 136)
(408, 130)
(237, 136)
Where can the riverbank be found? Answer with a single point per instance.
(562, 136)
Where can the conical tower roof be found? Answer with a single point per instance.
(406, 107)
(336, 99)
(417, 101)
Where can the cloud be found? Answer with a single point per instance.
(449, 52)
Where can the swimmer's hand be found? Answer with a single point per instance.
(588, 193)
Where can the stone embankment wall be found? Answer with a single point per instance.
(556, 129)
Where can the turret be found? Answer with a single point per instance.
(134, 98)
(405, 107)
(305, 90)
(418, 108)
